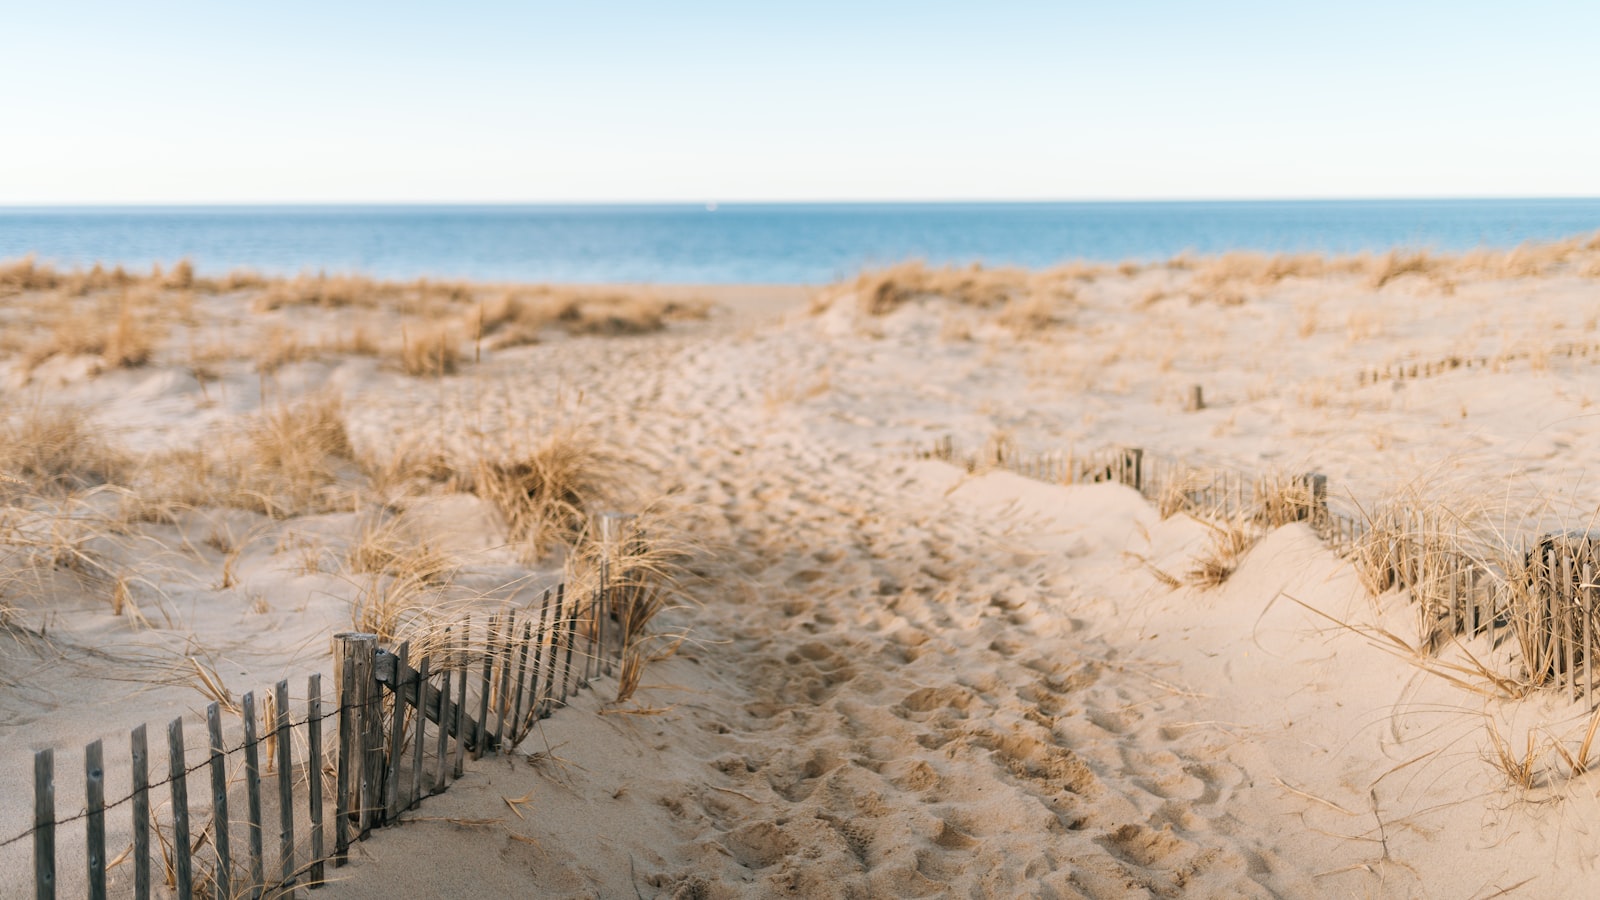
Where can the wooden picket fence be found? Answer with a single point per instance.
(407, 719)
(1541, 600)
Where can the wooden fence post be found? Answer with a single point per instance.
(397, 729)
(140, 749)
(285, 749)
(343, 755)
(442, 748)
(357, 748)
(252, 791)
(314, 775)
(462, 642)
(481, 732)
(1133, 468)
(522, 671)
(180, 809)
(570, 637)
(44, 824)
(94, 789)
(422, 728)
(508, 630)
(545, 639)
(219, 801)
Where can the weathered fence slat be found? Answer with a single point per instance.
(546, 639)
(481, 733)
(461, 696)
(397, 730)
(415, 796)
(139, 747)
(252, 791)
(94, 789)
(1568, 607)
(443, 746)
(219, 801)
(591, 621)
(569, 638)
(314, 775)
(44, 824)
(342, 757)
(508, 633)
(182, 865)
(371, 734)
(285, 748)
(522, 671)
(1586, 594)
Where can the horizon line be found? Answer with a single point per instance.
(712, 203)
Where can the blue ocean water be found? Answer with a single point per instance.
(776, 243)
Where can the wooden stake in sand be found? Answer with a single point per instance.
(44, 825)
(354, 652)
(183, 870)
(481, 732)
(461, 698)
(342, 758)
(94, 787)
(285, 788)
(314, 774)
(415, 796)
(397, 731)
(522, 671)
(544, 640)
(252, 789)
(442, 750)
(219, 802)
(140, 749)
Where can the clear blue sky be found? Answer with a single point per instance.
(819, 100)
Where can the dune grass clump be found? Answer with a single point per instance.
(290, 460)
(1219, 279)
(882, 291)
(56, 449)
(546, 492)
(1395, 263)
(27, 274)
(382, 546)
(516, 318)
(391, 605)
(1228, 542)
(321, 290)
(429, 351)
(122, 330)
(645, 573)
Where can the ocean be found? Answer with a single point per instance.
(798, 243)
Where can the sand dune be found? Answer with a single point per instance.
(902, 678)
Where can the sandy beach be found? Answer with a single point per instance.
(881, 674)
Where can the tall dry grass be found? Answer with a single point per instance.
(55, 449)
(292, 459)
(1228, 279)
(546, 490)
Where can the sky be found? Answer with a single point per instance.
(290, 102)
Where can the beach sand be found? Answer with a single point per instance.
(896, 676)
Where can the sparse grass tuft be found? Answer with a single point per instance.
(291, 459)
(546, 492)
(1229, 542)
(51, 449)
(429, 351)
(382, 546)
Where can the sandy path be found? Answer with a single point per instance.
(882, 697)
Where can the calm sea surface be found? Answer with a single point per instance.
(782, 243)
